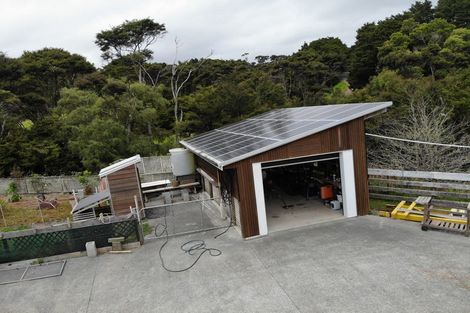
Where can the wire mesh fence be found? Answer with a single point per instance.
(189, 216)
(25, 245)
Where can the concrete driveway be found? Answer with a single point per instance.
(366, 264)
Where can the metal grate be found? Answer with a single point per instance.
(31, 272)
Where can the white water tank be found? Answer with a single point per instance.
(182, 162)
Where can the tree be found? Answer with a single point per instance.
(180, 75)
(132, 39)
(456, 49)
(424, 121)
(422, 12)
(456, 12)
(46, 72)
(454, 89)
(363, 59)
(416, 49)
(99, 143)
(311, 71)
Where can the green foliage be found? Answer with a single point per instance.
(420, 49)
(13, 228)
(12, 192)
(146, 228)
(454, 11)
(46, 72)
(133, 36)
(339, 91)
(87, 180)
(455, 92)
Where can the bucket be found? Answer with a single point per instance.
(326, 192)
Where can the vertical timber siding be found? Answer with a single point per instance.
(343, 137)
(210, 169)
(123, 186)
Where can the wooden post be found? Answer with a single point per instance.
(75, 196)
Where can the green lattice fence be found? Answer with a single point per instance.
(65, 241)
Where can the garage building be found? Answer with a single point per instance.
(288, 167)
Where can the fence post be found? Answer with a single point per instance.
(140, 230)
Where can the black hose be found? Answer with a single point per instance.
(190, 247)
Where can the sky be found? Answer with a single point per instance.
(227, 28)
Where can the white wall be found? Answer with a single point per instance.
(348, 185)
(260, 205)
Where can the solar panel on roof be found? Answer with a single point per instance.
(235, 142)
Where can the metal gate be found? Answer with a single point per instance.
(188, 216)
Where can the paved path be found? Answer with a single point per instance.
(365, 264)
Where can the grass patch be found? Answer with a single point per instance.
(376, 205)
(13, 228)
(146, 228)
(25, 212)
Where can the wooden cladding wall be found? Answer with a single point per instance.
(210, 169)
(343, 137)
(123, 186)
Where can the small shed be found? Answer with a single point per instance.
(122, 181)
(288, 163)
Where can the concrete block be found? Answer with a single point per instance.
(91, 249)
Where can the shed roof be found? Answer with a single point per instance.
(261, 133)
(119, 165)
(91, 201)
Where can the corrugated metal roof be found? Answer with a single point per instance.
(261, 133)
(119, 165)
(90, 201)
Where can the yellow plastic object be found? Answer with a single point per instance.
(414, 213)
(384, 214)
(408, 212)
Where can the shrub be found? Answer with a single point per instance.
(12, 192)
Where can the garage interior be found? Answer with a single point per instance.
(302, 192)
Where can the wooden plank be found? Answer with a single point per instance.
(407, 191)
(410, 209)
(407, 183)
(398, 207)
(418, 174)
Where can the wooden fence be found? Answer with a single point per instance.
(447, 189)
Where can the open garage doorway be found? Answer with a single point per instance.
(304, 191)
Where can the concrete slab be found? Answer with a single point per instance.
(365, 264)
(295, 211)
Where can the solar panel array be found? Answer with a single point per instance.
(263, 132)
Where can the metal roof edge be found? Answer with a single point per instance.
(119, 165)
(197, 152)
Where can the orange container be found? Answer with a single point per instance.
(326, 192)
